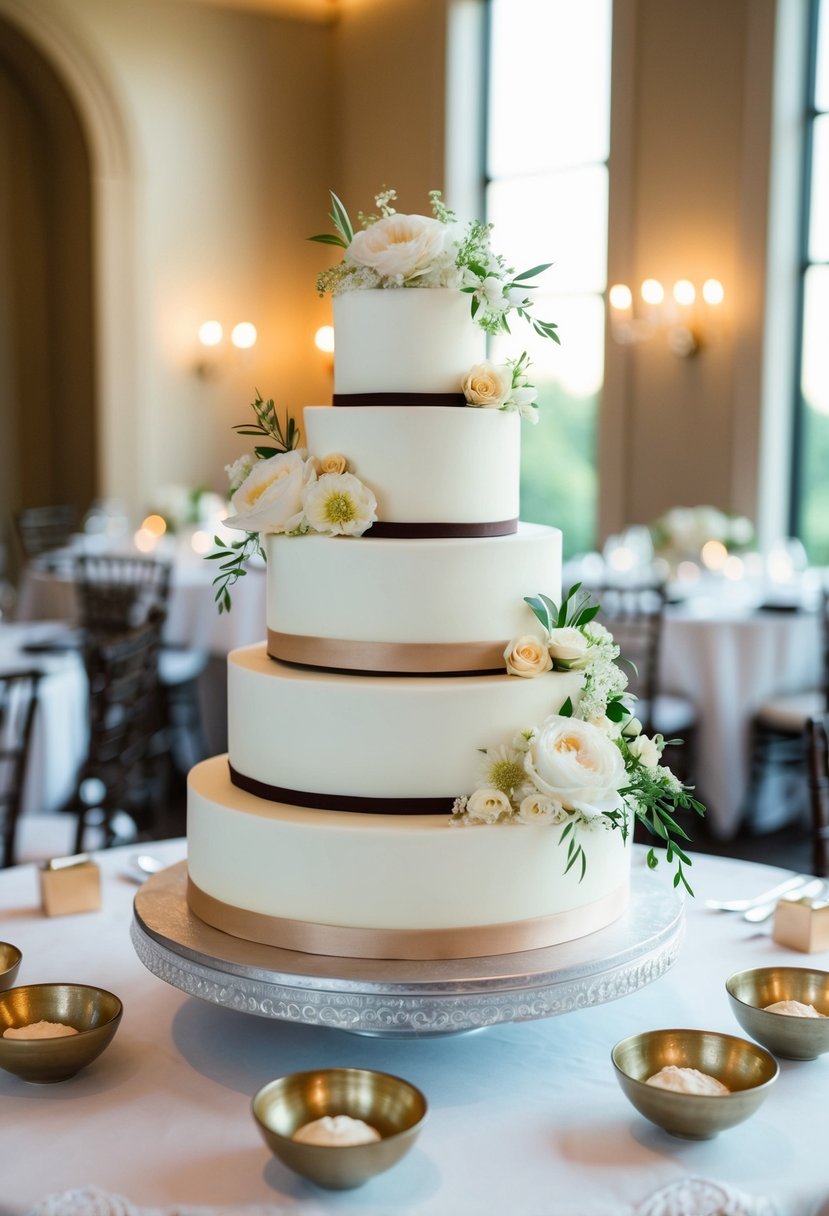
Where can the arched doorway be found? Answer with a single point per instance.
(48, 390)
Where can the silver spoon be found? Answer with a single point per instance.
(143, 866)
(743, 905)
(757, 915)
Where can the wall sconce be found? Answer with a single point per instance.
(212, 357)
(685, 317)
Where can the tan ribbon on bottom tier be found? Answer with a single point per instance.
(387, 658)
(474, 941)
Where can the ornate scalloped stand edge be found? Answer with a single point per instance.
(396, 999)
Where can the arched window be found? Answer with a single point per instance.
(546, 151)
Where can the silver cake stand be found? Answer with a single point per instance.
(396, 999)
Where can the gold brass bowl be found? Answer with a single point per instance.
(794, 1038)
(10, 958)
(389, 1104)
(94, 1013)
(746, 1069)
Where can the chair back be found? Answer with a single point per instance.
(18, 705)
(817, 742)
(41, 529)
(634, 615)
(117, 593)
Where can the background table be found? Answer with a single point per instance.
(728, 662)
(525, 1119)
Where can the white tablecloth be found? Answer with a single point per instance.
(727, 664)
(60, 731)
(525, 1119)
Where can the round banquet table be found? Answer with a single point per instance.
(525, 1119)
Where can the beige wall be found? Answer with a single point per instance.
(689, 173)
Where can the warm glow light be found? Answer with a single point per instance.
(733, 567)
(211, 333)
(622, 558)
(652, 291)
(713, 291)
(145, 540)
(714, 554)
(620, 297)
(324, 339)
(243, 335)
(156, 525)
(684, 292)
(201, 542)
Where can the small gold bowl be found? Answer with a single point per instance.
(794, 1038)
(93, 1012)
(389, 1104)
(10, 958)
(746, 1069)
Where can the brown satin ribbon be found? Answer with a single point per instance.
(398, 399)
(388, 658)
(442, 531)
(340, 802)
(469, 942)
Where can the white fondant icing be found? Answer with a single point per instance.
(414, 591)
(384, 871)
(409, 340)
(426, 464)
(376, 736)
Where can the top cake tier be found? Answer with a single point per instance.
(415, 342)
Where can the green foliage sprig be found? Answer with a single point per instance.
(267, 423)
(236, 555)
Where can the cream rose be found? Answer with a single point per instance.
(487, 385)
(487, 806)
(645, 750)
(577, 764)
(333, 463)
(527, 656)
(338, 504)
(567, 647)
(270, 497)
(535, 808)
(399, 247)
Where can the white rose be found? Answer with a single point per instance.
(270, 497)
(577, 764)
(487, 806)
(487, 385)
(527, 656)
(567, 646)
(338, 504)
(535, 808)
(399, 246)
(645, 750)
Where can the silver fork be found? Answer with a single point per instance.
(744, 905)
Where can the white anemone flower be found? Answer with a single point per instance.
(338, 504)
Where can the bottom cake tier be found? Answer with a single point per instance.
(390, 886)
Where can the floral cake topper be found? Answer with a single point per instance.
(589, 766)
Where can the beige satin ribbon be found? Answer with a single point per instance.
(423, 658)
(473, 942)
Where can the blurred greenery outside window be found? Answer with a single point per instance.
(547, 148)
(810, 505)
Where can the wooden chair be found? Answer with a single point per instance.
(779, 727)
(120, 772)
(817, 750)
(116, 593)
(18, 705)
(42, 529)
